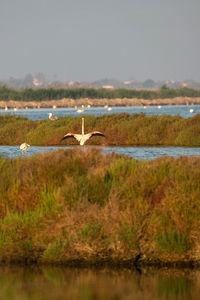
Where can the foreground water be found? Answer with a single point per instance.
(40, 114)
(141, 153)
(86, 284)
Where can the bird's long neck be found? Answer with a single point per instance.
(82, 126)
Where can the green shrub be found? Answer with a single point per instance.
(172, 242)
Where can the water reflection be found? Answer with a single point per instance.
(73, 283)
(173, 287)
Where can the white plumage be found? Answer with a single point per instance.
(80, 111)
(23, 147)
(82, 138)
(51, 117)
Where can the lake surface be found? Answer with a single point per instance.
(40, 114)
(140, 153)
(20, 283)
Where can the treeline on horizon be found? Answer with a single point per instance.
(92, 93)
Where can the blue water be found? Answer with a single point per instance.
(140, 153)
(40, 114)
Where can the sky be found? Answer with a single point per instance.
(88, 40)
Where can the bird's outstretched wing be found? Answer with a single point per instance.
(68, 135)
(96, 133)
(71, 135)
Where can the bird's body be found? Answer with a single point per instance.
(191, 110)
(80, 111)
(23, 147)
(82, 138)
(51, 117)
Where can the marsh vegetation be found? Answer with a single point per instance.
(119, 129)
(75, 207)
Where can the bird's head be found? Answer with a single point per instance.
(50, 114)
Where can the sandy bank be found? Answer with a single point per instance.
(66, 102)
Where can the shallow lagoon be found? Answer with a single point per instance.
(42, 114)
(140, 153)
(101, 283)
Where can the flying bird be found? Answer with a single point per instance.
(82, 138)
(51, 117)
(23, 147)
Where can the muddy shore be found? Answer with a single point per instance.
(67, 102)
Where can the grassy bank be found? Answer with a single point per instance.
(76, 207)
(119, 129)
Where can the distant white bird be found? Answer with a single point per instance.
(82, 138)
(6, 108)
(51, 117)
(191, 110)
(54, 106)
(159, 106)
(80, 111)
(144, 107)
(109, 108)
(23, 147)
(105, 106)
(88, 106)
(15, 109)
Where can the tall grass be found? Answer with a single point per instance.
(72, 206)
(119, 129)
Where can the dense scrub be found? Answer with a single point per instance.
(77, 93)
(119, 129)
(74, 206)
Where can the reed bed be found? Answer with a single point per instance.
(75, 207)
(119, 129)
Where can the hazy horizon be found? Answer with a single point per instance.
(91, 40)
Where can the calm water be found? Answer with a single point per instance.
(39, 114)
(101, 284)
(141, 153)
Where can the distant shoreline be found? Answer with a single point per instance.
(67, 102)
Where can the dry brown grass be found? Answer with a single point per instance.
(71, 206)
